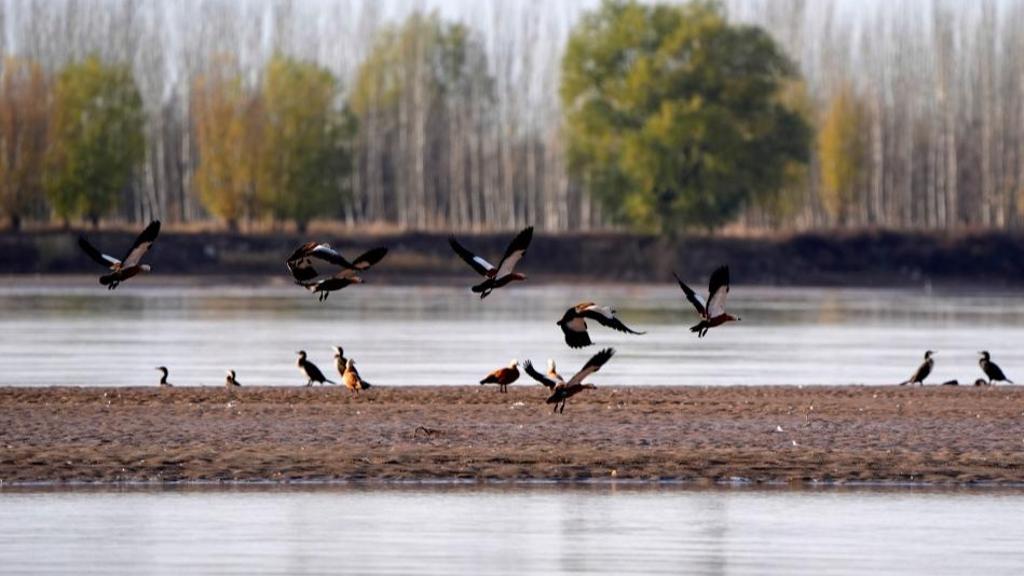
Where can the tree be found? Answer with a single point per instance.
(97, 138)
(306, 156)
(673, 114)
(843, 151)
(24, 113)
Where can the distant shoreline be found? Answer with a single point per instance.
(835, 435)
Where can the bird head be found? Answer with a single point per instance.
(350, 363)
(231, 374)
(984, 354)
(928, 354)
(514, 363)
(162, 369)
(338, 352)
(301, 353)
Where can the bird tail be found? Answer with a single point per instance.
(364, 384)
(489, 380)
(329, 381)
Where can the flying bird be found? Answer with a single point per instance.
(712, 312)
(351, 378)
(230, 381)
(922, 371)
(503, 376)
(564, 391)
(130, 265)
(496, 276)
(991, 369)
(549, 380)
(163, 379)
(300, 264)
(574, 325)
(310, 371)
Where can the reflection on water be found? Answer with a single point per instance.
(541, 530)
(82, 335)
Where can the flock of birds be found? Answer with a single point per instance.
(304, 262)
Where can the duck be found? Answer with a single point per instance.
(991, 369)
(323, 288)
(574, 325)
(712, 312)
(231, 381)
(351, 378)
(163, 379)
(565, 390)
(310, 371)
(128, 267)
(504, 273)
(503, 376)
(549, 380)
(922, 371)
(300, 265)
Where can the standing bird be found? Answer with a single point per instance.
(712, 312)
(230, 381)
(300, 264)
(500, 275)
(163, 379)
(310, 371)
(503, 376)
(991, 369)
(574, 325)
(121, 270)
(575, 385)
(922, 371)
(351, 378)
(339, 360)
(549, 380)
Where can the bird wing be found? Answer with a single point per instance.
(346, 274)
(327, 254)
(369, 258)
(142, 244)
(482, 267)
(606, 317)
(693, 297)
(592, 365)
(547, 382)
(105, 260)
(718, 290)
(922, 372)
(515, 252)
(299, 264)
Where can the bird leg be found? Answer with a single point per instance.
(562, 409)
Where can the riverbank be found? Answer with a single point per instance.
(866, 258)
(935, 435)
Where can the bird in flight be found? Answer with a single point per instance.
(300, 264)
(549, 380)
(574, 323)
(130, 265)
(503, 376)
(712, 311)
(562, 391)
(496, 276)
(922, 371)
(991, 369)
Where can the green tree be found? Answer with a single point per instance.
(97, 138)
(843, 150)
(24, 113)
(674, 116)
(306, 156)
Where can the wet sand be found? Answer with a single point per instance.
(940, 435)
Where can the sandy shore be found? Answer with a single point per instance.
(938, 435)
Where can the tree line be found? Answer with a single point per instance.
(746, 114)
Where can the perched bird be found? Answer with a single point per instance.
(981, 382)
(574, 325)
(549, 380)
(712, 312)
(575, 385)
(310, 371)
(503, 376)
(991, 369)
(339, 360)
(121, 270)
(230, 381)
(163, 379)
(300, 264)
(351, 378)
(922, 371)
(500, 275)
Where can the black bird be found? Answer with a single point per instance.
(991, 369)
(310, 371)
(230, 381)
(712, 312)
(496, 276)
(163, 379)
(563, 391)
(300, 264)
(340, 360)
(922, 371)
(121, 270)
(574, 325)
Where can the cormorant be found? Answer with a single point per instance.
(230, 381)
(922, 371)
(163, 379)
(310, 371)
(991, 369)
